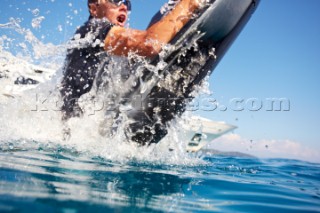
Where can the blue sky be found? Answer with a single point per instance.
(274, 57)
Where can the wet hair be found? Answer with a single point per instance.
(92, 2)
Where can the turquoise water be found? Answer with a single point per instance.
(51, 178)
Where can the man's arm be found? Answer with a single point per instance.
(120, 41)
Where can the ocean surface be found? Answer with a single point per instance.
(46, 177)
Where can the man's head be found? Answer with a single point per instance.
(116, 11)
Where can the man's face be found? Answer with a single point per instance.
(115, 14)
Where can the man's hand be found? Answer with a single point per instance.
(121, 41)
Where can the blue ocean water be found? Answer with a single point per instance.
(52, 178)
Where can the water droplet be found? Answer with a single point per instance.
(60, 28)
(36, 22)
(35, 12)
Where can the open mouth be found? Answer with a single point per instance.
(121, 19)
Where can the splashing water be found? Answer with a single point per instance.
(32, 112)
(36, 22)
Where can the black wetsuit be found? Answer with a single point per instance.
(87, 61)
(88, 64)
(83, 60)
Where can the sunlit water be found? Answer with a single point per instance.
(48, 177)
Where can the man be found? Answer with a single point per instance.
(104, 35)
